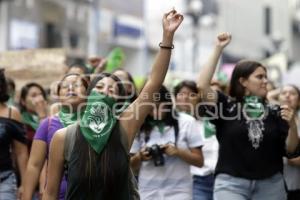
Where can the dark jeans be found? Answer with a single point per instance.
(203, 187)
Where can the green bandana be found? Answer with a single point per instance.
(98, 120)
(67, 118)
(253, 107)
(30, 119)
(159, 123)
(115, 59)
(209, 129)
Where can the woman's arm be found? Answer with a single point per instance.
(34, 167)
(21, 154)
(42, 181)
(292, 139)
(135, 162)
(133, 117)
(192, 156)
(55, 165)
(137, 158)
(294, 161)
(208, 70)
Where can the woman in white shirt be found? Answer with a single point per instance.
(203, 178)
(166, 146)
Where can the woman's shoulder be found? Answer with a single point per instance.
(60, 134)
(186, 120)
(15, 114)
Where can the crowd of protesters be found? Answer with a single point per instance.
(101, 138)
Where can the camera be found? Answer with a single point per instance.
(276, 111)
(157, 154)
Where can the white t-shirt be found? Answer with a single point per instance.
(173, 180)
(210, 153)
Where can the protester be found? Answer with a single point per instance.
(187, 100)
(98, 168)
(72, 91)
(169, 142)
(12, 137)
(253, 135)
(290, 95)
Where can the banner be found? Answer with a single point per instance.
(43, 66)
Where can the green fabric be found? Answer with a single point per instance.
(253, 106)
(222, 77)
(114, 59)
(67, 118)
(159, 123)
(30, 119)
(98, 120)
(209, 129)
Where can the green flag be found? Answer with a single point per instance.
(115, 59)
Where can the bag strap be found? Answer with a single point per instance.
(70, 141)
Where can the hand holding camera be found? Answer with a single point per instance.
(170, 149)
(144, 154)
(155, 152)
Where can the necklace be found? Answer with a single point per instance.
(254, 112)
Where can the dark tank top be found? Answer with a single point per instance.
(79, 180)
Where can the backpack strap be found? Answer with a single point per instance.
(69, 141)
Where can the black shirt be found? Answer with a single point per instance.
(9, 130)
(241, 154)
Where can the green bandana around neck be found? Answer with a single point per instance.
(98, 120)
(30, 119)
(209, 129)
(160, 124)
(66, 117)
(253, 107)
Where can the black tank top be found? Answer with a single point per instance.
(79, 179)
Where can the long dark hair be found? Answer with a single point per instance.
(3, 87)
(24, 92)
(134, 91)
(170, 118)
(243, 69)
(111, 166)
